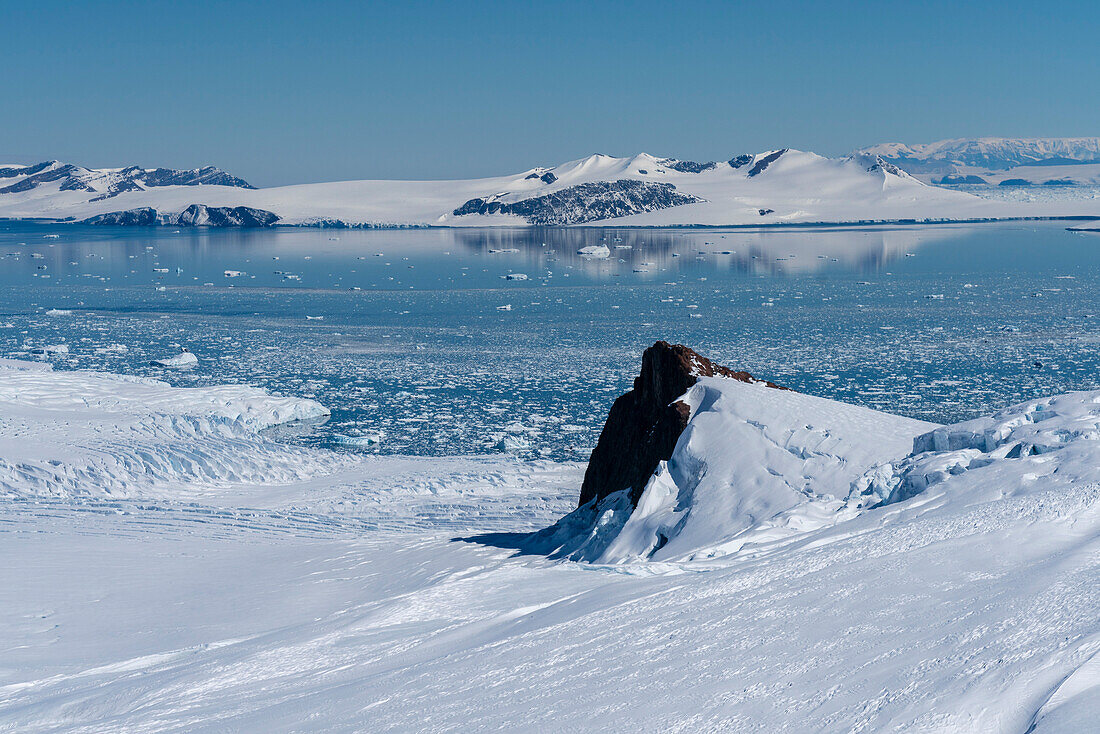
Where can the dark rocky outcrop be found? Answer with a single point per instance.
(196, 215)
(762, 164)
(587, 202)
(689, 166)
(644, 424)
(547, 177)
(145, 216)
(740, 161)
(1015, 182)
(200, 215)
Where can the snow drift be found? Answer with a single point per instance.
(87, 434)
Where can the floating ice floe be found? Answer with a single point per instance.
(59, 312)
(185, 359)
(515, 276)
(51, 349)
(594, 251)
(366, 439)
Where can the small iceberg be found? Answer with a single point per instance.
(59, 312)
(51, 349)
(183, 360)
(594, 251)
(367, 439)
(515, 276)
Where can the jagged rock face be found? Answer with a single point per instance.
(196, 215)
(145, 216)
(740, 161)
(588, 202)
(689, 166)
(644, 424)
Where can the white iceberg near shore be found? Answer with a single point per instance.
(184, 359)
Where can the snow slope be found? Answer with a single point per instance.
(772, 187)
(385, 594)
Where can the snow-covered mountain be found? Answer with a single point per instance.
(993, 152)
(998, 161)
(772, 187)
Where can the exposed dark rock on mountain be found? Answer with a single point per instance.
(196, 215)
(145, 216)
(205, 176)
(25, 170)
(740, 161)
(62, 172)
(763, 163)
(689, 166)
(1015, 182)
(881, 165)
(644, 424)
(765, 212)
(547, 177)
(111, 182)
(587, 202)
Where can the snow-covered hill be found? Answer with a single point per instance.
(168, 568)
(773, 187)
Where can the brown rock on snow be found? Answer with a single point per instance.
(644, 424)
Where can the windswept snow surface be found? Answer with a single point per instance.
(314, 591)
(782, 186)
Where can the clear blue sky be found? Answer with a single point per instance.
(286, 92)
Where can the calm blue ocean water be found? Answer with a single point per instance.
(421, 343)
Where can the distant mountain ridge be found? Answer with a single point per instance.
(110, 182)
(994, 153)
(779, 186)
